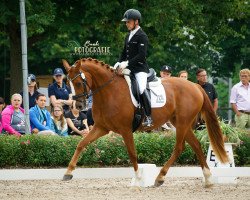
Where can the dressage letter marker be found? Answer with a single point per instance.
(213, 162)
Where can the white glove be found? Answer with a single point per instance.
(117, 65)
(123, 64)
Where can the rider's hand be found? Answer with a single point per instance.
(123, 64)
(117, 65)
(120, 71)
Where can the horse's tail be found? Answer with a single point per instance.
(214, 130)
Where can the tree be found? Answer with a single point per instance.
(39, 15)
(185, 34)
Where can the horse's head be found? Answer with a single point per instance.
(78, 83)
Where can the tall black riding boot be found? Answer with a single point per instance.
(146, 103)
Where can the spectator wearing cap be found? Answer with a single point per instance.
(32, 89)
(240, 100)
(165, 71)
(59, 92)
(2, 106)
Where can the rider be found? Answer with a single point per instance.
(133, 57)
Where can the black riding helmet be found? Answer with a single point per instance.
(131, 14)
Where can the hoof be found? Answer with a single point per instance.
(158, 183)
(209, 185)
(67, 177)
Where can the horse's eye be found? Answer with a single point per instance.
(78, 84)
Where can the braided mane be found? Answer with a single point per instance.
(100, 63)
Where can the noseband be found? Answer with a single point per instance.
(85, 85)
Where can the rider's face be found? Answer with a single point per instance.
(131, 24)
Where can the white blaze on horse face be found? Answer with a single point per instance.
(72, 88)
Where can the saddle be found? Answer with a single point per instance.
(155, 90)
(151, 77)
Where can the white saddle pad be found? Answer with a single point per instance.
(157, 92)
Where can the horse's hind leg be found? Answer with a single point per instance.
(179, 147)
(93, 135)
(195, 144)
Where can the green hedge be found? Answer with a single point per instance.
(51, 151)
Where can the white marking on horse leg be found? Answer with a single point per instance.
(208, 177)
(138, 174)
(136, 180)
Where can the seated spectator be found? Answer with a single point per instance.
(183, 74)
(13, 118)
(40, 118)
(59, 92)
(90, 120)
(77, 121)
(32, 88)
(59, 124)
(2, 106)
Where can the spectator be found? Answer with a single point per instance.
(59, 124)
(40, 118)
(201, 76)
(59, 92)
(90, 120)
(166, 71)
(2, 106)
(77, 121)
(13, 119)
(183, 74)
(240, 100)
(32, 89)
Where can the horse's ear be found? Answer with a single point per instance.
(66, 65)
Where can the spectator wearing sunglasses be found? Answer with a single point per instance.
(77, 121)
(32, 89)
(59, 92)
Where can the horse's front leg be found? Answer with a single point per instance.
(129, 142)
(93, 135)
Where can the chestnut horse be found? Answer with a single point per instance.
(113, 110)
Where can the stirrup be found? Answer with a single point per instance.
(148, 122)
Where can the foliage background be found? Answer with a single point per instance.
(185, 34)
(110, 150)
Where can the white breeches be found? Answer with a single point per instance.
(141, 78)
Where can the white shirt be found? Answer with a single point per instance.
(240, 95)
(133, 32)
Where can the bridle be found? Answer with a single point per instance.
(85, 85)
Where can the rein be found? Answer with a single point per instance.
(85, 85)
